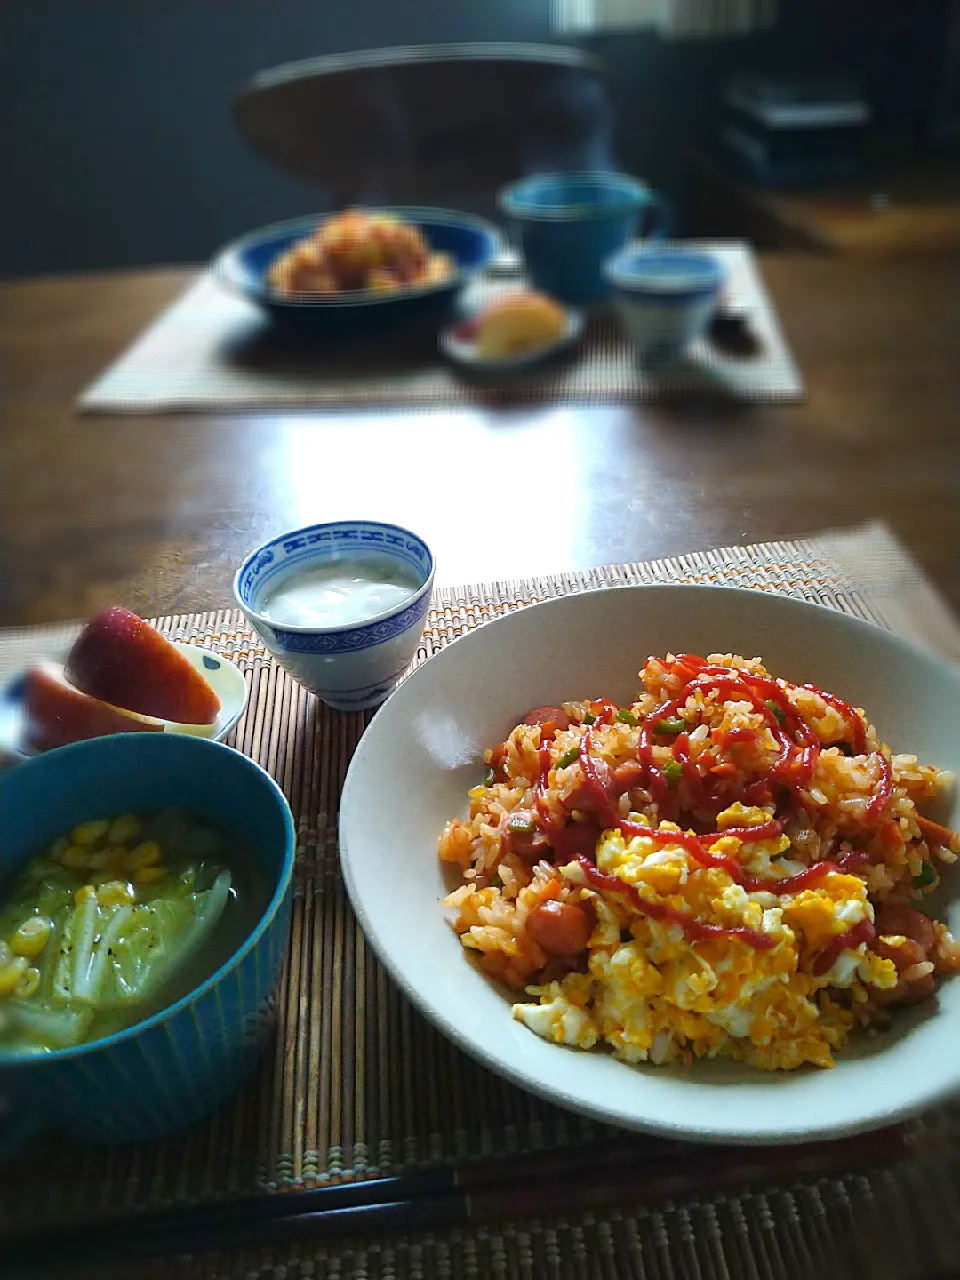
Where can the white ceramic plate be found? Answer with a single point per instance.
(224, 676)
(463, 351)
(424, 749)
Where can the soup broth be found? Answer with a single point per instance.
(117, 920)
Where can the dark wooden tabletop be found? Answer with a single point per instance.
(155, 512)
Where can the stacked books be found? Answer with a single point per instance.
(794, 131)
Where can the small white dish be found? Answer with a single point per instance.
(225, 678)
(457, 344)
(424, 749)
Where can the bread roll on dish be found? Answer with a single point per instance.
(518, 323)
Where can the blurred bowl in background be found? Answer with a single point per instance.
(568, 224)
(242, 268)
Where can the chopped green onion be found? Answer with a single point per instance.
(521, 823)
(627, 717)
(845, 747)
(568, 757)
(673, 772)
(777, 710)
(926, 877)
(589, 718)
(673, 725)
(497, 882)
(489, 778)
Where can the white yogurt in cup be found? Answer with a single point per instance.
(341, 606)
(338, 593)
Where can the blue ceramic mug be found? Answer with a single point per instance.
(569, 224)
(172, 1068)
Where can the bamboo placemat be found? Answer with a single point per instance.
(211, 350)
(359, 1085)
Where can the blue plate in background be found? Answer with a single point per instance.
(243, 265)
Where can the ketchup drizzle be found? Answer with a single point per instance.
(799, 749)
(692, 927)
(825, 959)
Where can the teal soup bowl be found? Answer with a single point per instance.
(171, 1068)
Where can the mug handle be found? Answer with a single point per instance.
(659, 219)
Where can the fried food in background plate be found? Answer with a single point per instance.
(358, 250)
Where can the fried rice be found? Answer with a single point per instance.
(731, 865)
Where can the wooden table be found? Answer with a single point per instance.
(897, 210)
(156, 512)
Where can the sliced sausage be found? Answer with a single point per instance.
(627, 776)
(904, 957)
(522, 837)
(552, 720)
(583, 796)
(498, 762)
(898, 918)
(560, 928)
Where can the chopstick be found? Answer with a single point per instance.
(547, 1183)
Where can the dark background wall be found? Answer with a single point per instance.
(117, 148)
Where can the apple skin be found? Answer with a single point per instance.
(56, 713)
(122, 660)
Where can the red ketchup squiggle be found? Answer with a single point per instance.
(846, 711)
(693, 928)
(799, 746)
(884, 792)
(824, 960)
(566, 841)
(582, 837)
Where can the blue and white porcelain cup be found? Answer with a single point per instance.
(355, 665)
(664, 297)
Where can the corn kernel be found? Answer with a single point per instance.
(92, 832)
(124, 829)
(32, 936)
(148, 875)
(115, 893)
(29, 981)
(6, 955)
(59, 848)
(76, 858)
(85, 893)
(147, 854)
(11, 974)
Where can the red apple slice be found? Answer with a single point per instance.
(56, 713)
(122, 660)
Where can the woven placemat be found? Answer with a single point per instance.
(212, 350)
(359, 1085)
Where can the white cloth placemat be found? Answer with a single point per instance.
(212, 350)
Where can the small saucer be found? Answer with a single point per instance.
(224, 677)
(458, 345)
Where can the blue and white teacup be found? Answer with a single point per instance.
(664, 297)
(357, 664)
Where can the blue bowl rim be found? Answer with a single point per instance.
(275, 627)
(8, 1059)
(635, 195)
(707, 274)
(231, 275)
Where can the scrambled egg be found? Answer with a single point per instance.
(652, 993)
